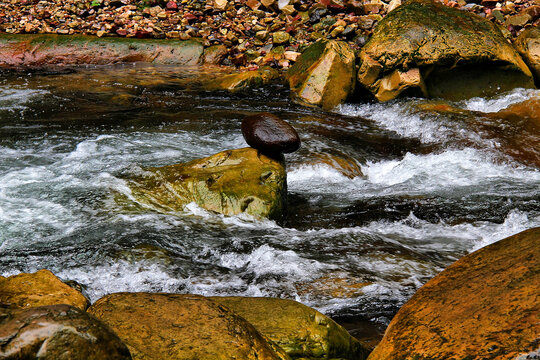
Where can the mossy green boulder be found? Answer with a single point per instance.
(175, 326)
(324, 75)
(301, 331)
(528, 45)
(231, 182)
(424, 48)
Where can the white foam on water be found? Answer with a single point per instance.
(499, 102)
(397, 116)
(18, 98)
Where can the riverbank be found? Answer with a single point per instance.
(249, 33)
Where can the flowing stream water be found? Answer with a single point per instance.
(415, 185)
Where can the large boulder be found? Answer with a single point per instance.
(301, 331)
(528, 45)
(38, 289)
(173, 326)
(484, 306)
(40, 50)
(428, 49)
(230, 182)
(324, 75)
(57, 332)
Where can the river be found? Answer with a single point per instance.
(422, 183)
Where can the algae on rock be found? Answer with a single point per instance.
(428, 49)
(324, 75)
(301, 331)
(230, 182)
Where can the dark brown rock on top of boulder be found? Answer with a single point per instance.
(38, 289)
(174, 326)
(484, 306)
(57, 332)
(270, 134)
(432, 50)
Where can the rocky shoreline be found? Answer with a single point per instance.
(249, 33)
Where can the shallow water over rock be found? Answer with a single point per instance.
(433, 182)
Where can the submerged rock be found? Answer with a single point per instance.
(44, 50)
(230, 182)
(528, 45)
(270, 134)
(324, 75)
(428, 49)
(173, 326)
(38, 289)
(484, 306)
(301, 331)
(245, 80)
(58, 332)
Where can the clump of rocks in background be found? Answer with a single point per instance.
(255, 32)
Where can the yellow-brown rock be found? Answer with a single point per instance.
(173, 326)
(424, 48)
(528, 45)
(324, 75)
(230, 182)
(245, 80)
(300, 330)
(38, 289)
(484, 306)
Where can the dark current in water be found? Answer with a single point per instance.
(382, 197)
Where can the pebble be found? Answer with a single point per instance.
(270, 134)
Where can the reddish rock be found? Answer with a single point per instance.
(484, 306)
(171, 5)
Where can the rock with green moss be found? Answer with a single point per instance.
(40, 50)
(244, 80)
(231, 182)
(298, 329)
(528, 45)
(428, 49)
(324, 75)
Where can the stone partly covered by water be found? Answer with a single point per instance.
(483, 306)
(426, 48)
(231, 182)
(299, 330)
(38, 289)
(172, 326)
(270, 134)
(323, 75)
(57, 332)
(18, 51)
(244, 80)
(528, 45)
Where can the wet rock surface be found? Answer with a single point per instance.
(38, 289)
(324, 75)
(484, 306)
(57, 332)
(270, 134)
(18, 51)
(528, 45)
(172, 326)
(428, 49)
(230, 183)
(299, 330)
(244, 80)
